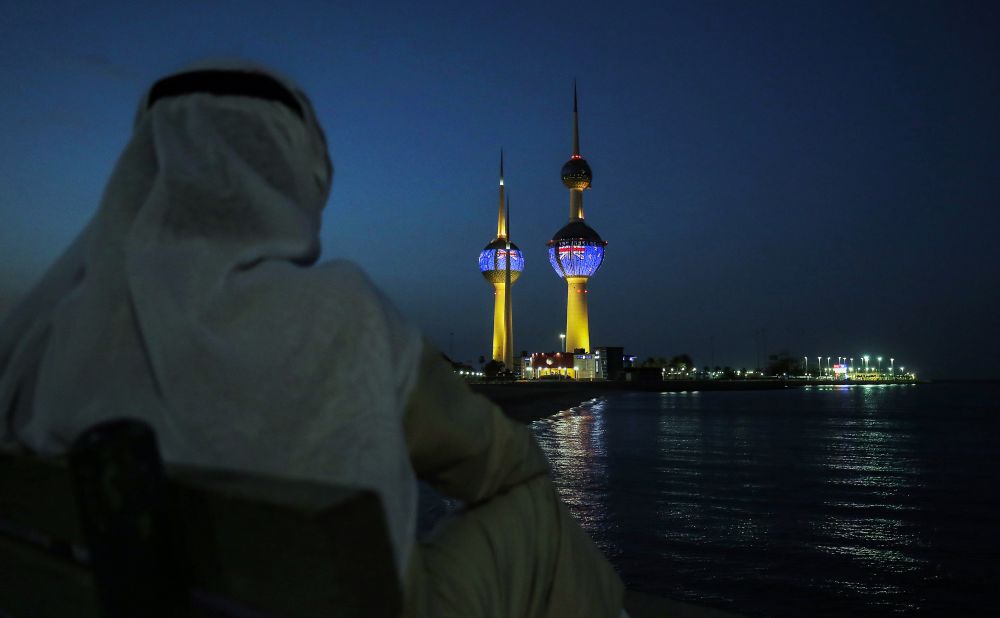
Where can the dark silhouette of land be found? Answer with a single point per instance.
(529, 401)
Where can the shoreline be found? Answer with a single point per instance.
(529, 401)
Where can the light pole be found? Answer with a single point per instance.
(880, 365)
(562, 343)
(828, 365)
(850, 366)
(819, 366)
(891, 361)
(806, 359)
(865, 357)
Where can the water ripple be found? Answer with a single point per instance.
(858, 501)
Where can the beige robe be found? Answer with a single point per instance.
(516, 551)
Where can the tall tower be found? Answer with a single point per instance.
(502, 272)
(576, 251)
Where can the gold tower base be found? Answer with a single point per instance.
(500, 352)
(577, 320)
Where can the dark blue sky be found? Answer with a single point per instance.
(825, 172)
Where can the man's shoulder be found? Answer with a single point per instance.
(334, 275)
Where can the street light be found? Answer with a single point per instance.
(806, 358)
(865, 357)
(819, 366)
(880, 364)
(562, 344)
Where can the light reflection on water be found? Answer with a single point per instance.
(575, 444)
(871, 468)
(835, 500)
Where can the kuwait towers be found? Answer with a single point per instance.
(502, 272)
(576, 251)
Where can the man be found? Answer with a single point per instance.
(191, 300)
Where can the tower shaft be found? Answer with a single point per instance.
(508, 346)
(502, 326)
(575, 204)
(508, 322)
(577, 319)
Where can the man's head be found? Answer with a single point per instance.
(227, 155)
(242, 91)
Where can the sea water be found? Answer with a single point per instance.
(824, 501)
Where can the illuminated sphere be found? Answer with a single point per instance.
(493, 261)
(576, 173)
(576, 250)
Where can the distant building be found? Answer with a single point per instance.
(606, 363)
(610, 363)
(547, 365)
(585, 366)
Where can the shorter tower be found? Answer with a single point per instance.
(501, 263)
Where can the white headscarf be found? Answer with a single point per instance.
(189, 302)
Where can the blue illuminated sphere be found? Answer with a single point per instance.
(576, 250)
(493, 261)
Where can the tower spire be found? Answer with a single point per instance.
(576, 125)
(502, 216)
(576, 174)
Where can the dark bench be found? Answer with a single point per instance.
(107, 532)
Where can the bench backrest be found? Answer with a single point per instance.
(223, 543)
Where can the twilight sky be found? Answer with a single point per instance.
(827, 174)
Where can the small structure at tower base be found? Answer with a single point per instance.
(606, 363)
